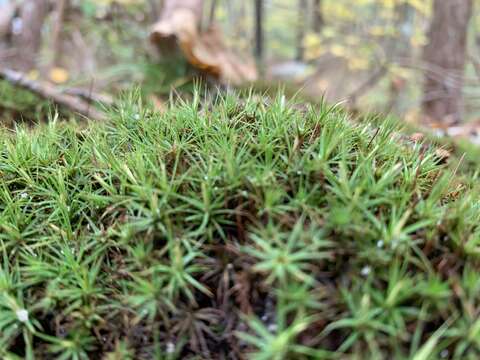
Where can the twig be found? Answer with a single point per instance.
(50, 92)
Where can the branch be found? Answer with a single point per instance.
(50, 92)
(89, 96)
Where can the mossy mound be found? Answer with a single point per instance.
(244, 229)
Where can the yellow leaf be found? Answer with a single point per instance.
(59, 75)
(312, 40)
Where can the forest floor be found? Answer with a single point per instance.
(244, 225)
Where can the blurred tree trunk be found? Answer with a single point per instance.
(7, 11)
(445, 57)
(301, 27)
(259, 40)
(60, 10)
(318, 20)
(27, 40)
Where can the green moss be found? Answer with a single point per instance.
(246, 226)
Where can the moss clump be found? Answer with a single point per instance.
(238, 228)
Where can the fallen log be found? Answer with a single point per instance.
(52, 93)
(205, 49)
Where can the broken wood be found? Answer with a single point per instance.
(52, 93)
(180, 27)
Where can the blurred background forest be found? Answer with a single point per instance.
(416, 59)
(232, 220)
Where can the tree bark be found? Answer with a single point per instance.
(259, 40)
(301, 27)
(445, 57)
(7, 12)
(318, 20)
(28, 40)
